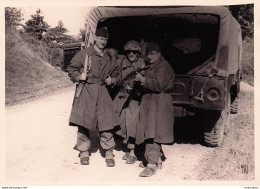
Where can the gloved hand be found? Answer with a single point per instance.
(128, 88)
(108, 80)
(83, 77)
(139, 77)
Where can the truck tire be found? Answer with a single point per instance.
(234, 106)
(227, 121)
(215, 124)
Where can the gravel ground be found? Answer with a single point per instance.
(39, 149)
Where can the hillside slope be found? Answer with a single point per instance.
(26, 74)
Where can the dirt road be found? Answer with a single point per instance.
(39, 149)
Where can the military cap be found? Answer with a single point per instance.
(102, 32)
(152, 47)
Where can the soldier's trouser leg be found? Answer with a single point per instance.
(152, 153)
(131, 146)
(83, 142)
(107, 143)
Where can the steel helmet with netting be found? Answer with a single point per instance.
(132, 46)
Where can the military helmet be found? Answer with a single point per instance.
(132, 46)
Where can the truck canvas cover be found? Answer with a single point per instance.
(227, 47)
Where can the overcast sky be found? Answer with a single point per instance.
(73, 18)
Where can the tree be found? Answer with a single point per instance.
(36, 25)
(13, 17)
(245, 16)
(57, 34)
(61, 27)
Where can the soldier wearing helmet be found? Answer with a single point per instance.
(133, 50)
(128, 99)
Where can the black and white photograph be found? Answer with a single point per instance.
(129, 94)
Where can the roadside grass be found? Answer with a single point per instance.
(234, 160)
(248, 61)
(26, 74)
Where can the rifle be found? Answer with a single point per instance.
(136, 93)
(131, 74)
(87, 66)
(81, 84)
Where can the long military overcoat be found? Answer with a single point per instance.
(94, 108)
(156, 109)
(127, 107)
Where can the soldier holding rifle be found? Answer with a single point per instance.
(93, 108)
(128, 99)
(156, 109)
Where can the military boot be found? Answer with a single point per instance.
(131, 159)
(84, 158)
(110, 162)
(84, 161)
(126, 155)
(148, 171)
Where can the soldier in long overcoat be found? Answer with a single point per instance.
(127, 101)
(156, 109)
(93, 109)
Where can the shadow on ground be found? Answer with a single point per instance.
(187, 130)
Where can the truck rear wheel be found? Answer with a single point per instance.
(215, 124)
(227, 121)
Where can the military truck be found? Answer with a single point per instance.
(202, 44)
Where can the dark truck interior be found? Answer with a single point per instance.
(188, 41)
